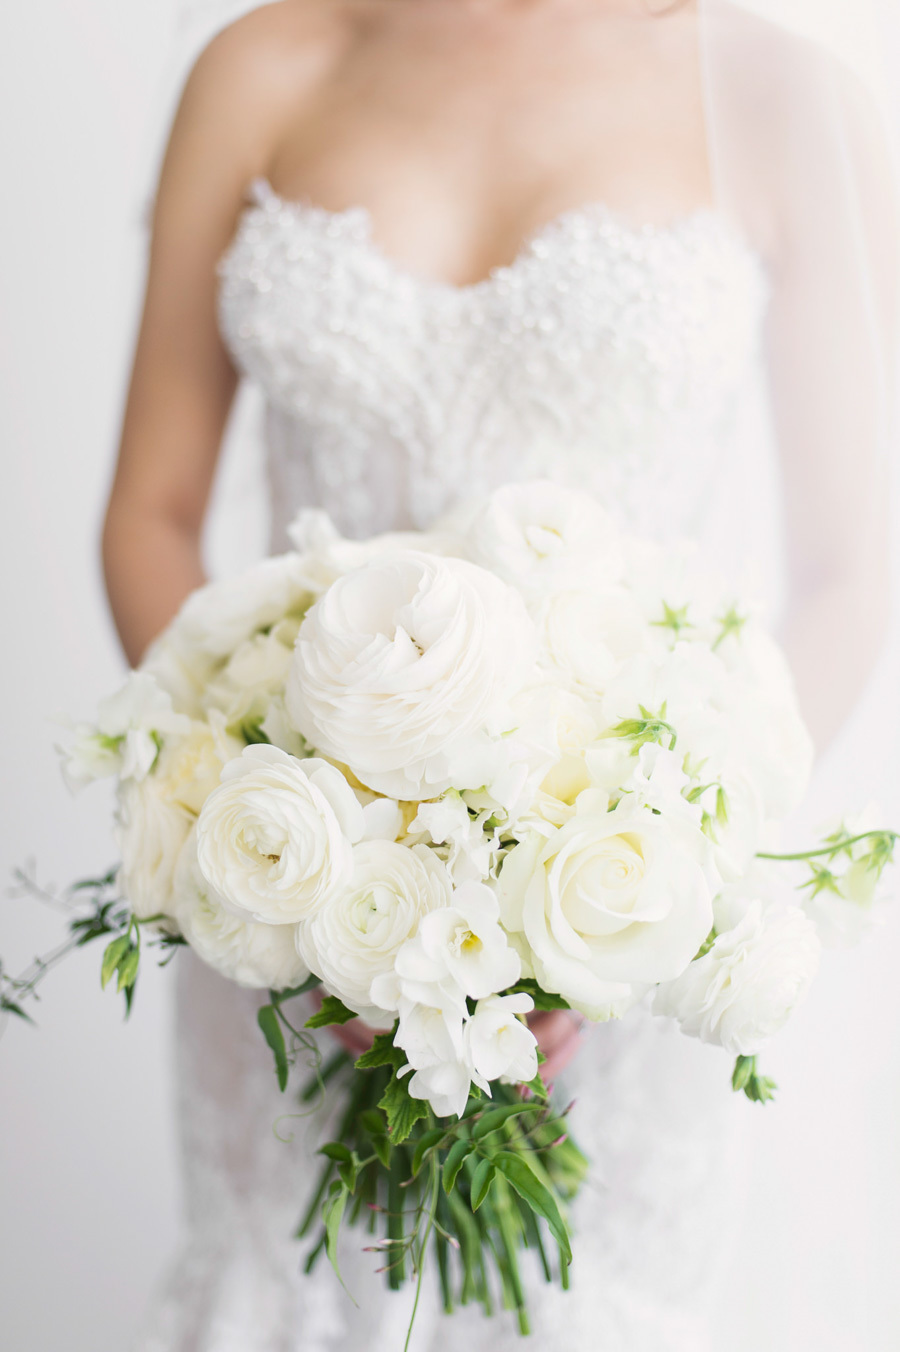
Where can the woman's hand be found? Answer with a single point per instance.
(557, 1032)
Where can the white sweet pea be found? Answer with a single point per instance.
(500, 1046)
(608, 904)
(404, 671)
(544, 538)
(274, 839)
(326, 555)
(658, 781)
(357, 935)
(470, 848)
(126, 738)
(744, 989)
(460, 947)
(258, 956)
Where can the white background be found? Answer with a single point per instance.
(88, 1195)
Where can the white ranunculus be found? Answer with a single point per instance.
(460, 947)
(608, 904)
(274, 839)
(404, 671)
(744, 989)
(259, 956)
(126, 738)
(150, 832)
(544, 538)
(355, 938)
(500, 1045)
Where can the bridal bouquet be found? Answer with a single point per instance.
(521, 762)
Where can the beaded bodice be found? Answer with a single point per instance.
(607, 355)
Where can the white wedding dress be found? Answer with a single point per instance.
(613, 356)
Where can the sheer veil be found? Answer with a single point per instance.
(800, 123)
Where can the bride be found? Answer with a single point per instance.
(614, 243)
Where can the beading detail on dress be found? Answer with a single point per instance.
(604, 354)
(609, 356)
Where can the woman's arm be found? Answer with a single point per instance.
(243, 88)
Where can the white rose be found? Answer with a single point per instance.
(405, 666)
(274, 839)
(500, 1045)
(150, 832)
(126, 738)
(254, 955)
(460, 947)
(544, 538)
(608, 904)
(356, 937)
(744, 989)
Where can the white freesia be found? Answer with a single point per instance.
(544, 538)
(356, 937)
(404, 671)
(744, 989)
(126, 738)
(446, 1085)
(608, 904)
(244, 951)
(274, 839)
(459, 947)
(499, 1045)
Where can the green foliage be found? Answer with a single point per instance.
(746, 1078)
(472, 1190)
(332, 1012)
(648, 728)
(270, 1025)
(542, 999)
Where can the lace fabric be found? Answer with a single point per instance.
(613, 356)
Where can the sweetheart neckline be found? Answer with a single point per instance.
(263, 197)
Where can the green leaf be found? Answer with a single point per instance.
(373, 1122)
(746, 1077)
(456, 1155)
(382, 1147)
(402, 1110)
(112, 957)
(519, 1174)
(424, 1144)
(270, 1024)
(333, 1011)
(481, 1182)
(10, 1007)
(128, 968)
(333, 1214)
(496, 1118)
(335, 1150)
(382, 1053)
